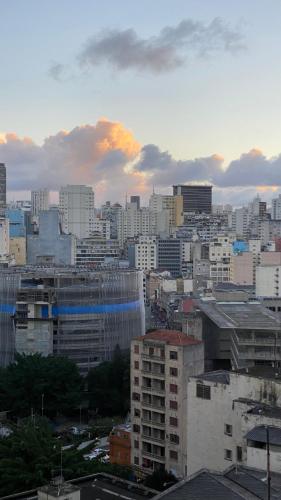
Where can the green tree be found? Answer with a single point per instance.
(109, 385)
(31, 456)
(33, 379)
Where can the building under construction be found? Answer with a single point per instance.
(71, 312)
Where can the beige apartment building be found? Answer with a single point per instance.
(161, 363)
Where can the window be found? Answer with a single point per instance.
(137, 412)
(136, 444)
(239, 453)
(173, 405)
(203, 391)
(174, 388)
(174, 438)
(136, 365)
(173, 371)
(173, 355)
(227, 454)
(228, 429)
(136, 396)
(136, 428)
(136, 460)
(136, 380)
(173, 455)
(173, 421)
(151, 351)
(136, 349)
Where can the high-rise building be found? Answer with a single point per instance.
(39, 201)
(132, 222)
(161, 363)
(169, 255)
(78, 210)
(276, 208)
(2, 189)
(196, 198)
(136, 200)
(166, 213)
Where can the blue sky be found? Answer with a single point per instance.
(224, 104)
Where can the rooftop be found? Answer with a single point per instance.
(259, 433)
(246, 315)
(219, 376)
(172, 337)
(235, 483)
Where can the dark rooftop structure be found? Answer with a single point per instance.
(259, 434)
(218, 376)
(94, 487)
(235, 483)
(233, 315)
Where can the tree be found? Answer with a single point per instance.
(31, 456)
(33, 379)
(109, 385)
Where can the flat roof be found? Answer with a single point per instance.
(172, 337)
(246, 315)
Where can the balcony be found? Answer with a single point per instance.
(154, 406)
(155, 423)
(152, 438)
(159, 458)
(155, 373)
(153, 356)
(153, 389)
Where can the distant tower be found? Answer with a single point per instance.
(2, 189)
(136, 200)
(39, 201)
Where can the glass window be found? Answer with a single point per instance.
(173, 355)
(173, 405)
(228, 429)
(228, 454)
(173, 371)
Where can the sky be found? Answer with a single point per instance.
(128, 95)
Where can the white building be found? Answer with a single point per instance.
(268, 281)
(166, 213)
(4, 237)
(161, 363)
(78, 210)
(102, 226)
(39, 201)
(143, 254)
(225, 413)
(132, 222)
(276, 208)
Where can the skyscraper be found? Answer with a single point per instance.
(136, 200)
(2, 189)
(196, 198)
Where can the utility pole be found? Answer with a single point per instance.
(268, 464)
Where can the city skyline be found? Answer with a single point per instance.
(167, 83)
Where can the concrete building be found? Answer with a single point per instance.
(17, 219)
(161, 363)
(276, 208)
(110, 212)
(169, 255)
(268, 281)
(227, 413)
(143, 254)
(18, 250)
(39, 201)
(166, 213)
(132, 222)
(242, 269)
(102, 227)
(136, 200)
(120, 445)
(80, 314)
(239, 334)
(96, 251)
(3, 202)
(78, 209)
(4, 237)
(196, 198)
(50, 246)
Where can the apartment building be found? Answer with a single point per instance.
(268, 281)
(161, 363)
(227, 415)
(78, 209)
(39, 201)
(132, 222)
(166, 213)
(143, 253)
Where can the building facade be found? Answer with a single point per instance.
(39, 201)
(161, 363)
(77, 206)
(196, 198)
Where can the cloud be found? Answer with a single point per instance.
(88, 154)
(56, 71)
(108, 157)
(171, 48)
